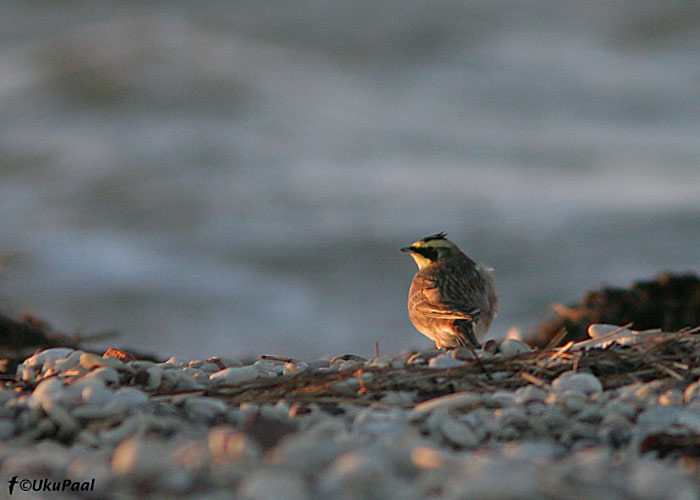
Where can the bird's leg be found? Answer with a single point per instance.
(466, 328)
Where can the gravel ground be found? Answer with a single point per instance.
(435, 424)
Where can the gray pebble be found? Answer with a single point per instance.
(586, 383)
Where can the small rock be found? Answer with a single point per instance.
(348, 357)
(692, 392)
(577, 381)
(177, 362)
(7, 428)
(399, 398)
(229, 444)
(140, 459)
(52, 354)
(295, 368)
(69, 362)
(513, 347)
(209, 368)
(226, 362)
(530, 393)
(572, 401)
(91, 361)
(363, 473)
(51, 391)
(457, 433)
(108, 376)
(6, 395)
(456, 400)
(445, 361)
(490, 346)
(463, 353)
(319, 363)
(155, 377)
(380, 362)
(597, 330)
(126, 399)
(235, 375)
(654, 480)
(93, 392)
(672, 397)
(205, 408)
(274, 484)
(500, 399)
(349, 365)
(67, 425)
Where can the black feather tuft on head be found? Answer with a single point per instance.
(439, 236)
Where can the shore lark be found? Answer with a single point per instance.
(452, 299)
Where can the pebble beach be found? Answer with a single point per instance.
(616, 416)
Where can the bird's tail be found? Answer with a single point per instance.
(465, 329)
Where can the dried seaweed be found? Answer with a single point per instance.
(673, 356)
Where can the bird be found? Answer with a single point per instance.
(452, 299)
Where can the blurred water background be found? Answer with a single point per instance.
(236, 178)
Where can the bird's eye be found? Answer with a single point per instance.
(430, 253)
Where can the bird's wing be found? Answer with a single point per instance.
(427, 301)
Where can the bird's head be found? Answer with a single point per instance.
(431, 249)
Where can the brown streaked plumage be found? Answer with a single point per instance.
(452, 299)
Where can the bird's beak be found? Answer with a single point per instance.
(407, 249)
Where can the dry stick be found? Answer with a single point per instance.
(283, 359)
(680, 358)
(478, 362)
(599, 340)
(552, 343)
(533, 380)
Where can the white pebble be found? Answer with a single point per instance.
(126, 399)
(94, 393)
(90, 361)
(106, 375)
(53, 353)
(445, 361)
(456, 400)
(349, 365)
(295, 368)
(597, 330)
(50, 392)
(511, 347)
(235, 375)
(268, 368)
(69, 362)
